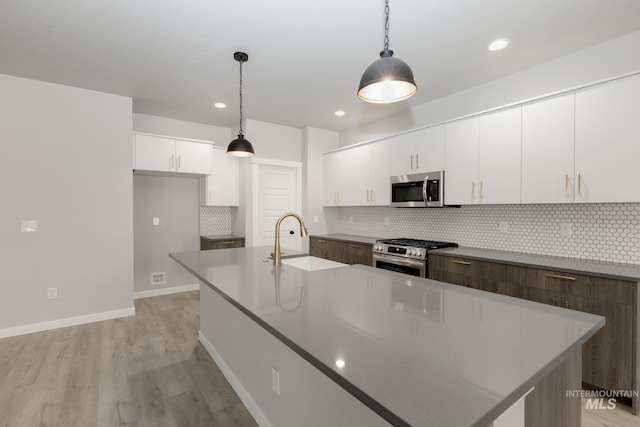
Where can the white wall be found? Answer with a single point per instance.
(271, 141)
(179, 128)
(67, 164)
(314, 143)
(174, 200)
(599, 62)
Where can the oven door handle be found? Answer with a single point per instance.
(398, 260)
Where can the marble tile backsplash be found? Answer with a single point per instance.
(215, 220)
(604, 232)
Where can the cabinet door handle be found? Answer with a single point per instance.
(373, 197)
(473, 190)
(209, 198)
(338, 193)
(481, 190)
(231, 242)
(417, 161)
(566, 186)
(558, 276)
(368, 195)
(354, 246)
(580, 185)
(178, 162)
(457, 261)
(412, 162)
(171, 163)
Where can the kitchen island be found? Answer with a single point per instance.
(354, 345)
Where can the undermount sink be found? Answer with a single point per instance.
(311, 263)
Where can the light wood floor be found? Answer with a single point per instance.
(147, 370)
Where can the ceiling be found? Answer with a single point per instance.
(175, 58)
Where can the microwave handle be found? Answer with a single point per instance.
(424, 189)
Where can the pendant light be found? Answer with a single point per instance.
(240, 147)
(387, 79)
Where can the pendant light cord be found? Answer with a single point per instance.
(241, 61)
(386, 25)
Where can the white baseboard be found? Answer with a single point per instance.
(237, 386)
(166, 291)
(69, 321)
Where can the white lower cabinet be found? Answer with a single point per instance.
(155, 153)
(607, 142)
(548, 150)
(221, 187)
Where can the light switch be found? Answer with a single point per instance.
(29, 226)
(156, 220)
(315, 219)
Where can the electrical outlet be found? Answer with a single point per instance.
(158, 278)
(386, 221)
(315, 219)
(504, 227)
(566, 229)
(52, 293)
(156, 220)
(275, 380)
(351, 220)
(29, 226)
(214, 220)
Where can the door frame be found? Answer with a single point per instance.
(256, 163)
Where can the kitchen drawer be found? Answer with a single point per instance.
(207, 244)
(475, 274)
(618, 291)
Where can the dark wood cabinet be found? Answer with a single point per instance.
(483, 275)
(221, 242)
(341, 251)
(609, 357)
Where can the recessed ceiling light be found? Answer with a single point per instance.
(220, 105)
(498, 44)
(340, 363)
(339, 113)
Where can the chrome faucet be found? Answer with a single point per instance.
(277, 258)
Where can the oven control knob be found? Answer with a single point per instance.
(412, 251)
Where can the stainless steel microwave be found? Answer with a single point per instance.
(420, 190)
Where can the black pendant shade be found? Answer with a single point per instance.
(240, 147)
(387, 80)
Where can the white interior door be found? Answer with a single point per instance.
(278, 194)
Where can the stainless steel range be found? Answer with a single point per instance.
(407, 256)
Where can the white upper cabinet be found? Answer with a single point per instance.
(608, 142)
(548, 150)
(193, 157)
(338, 178)
(461, 162)
(430, 149)
(482, 159)
(221, 187)
(499, 166)
(371, 172)
(418, 152)
(155, 153)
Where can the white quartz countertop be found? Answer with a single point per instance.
(418, 352)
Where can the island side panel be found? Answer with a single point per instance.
(548, 404)
(246, 354)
